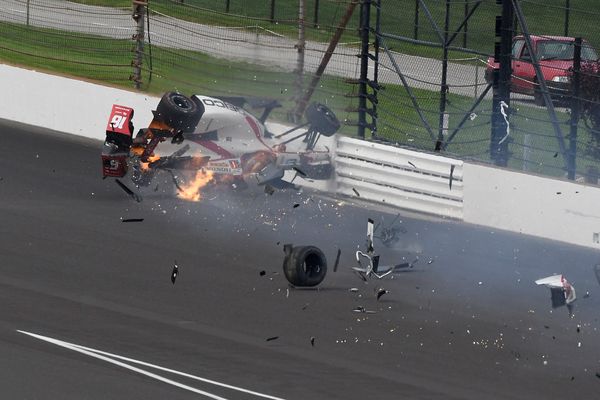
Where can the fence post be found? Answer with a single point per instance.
(365, 27)
(272, 16)
(444, 85)
(575, 109)
(466, 28)
(316, 19)
(226, 6)
(139, 11)
(502, 55)
(416, 32)
(567, 12)
(301, 106)
(300, 58)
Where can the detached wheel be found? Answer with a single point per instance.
(179, 111)
(305, 266)
(322, 119)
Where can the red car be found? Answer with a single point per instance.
(555, 55)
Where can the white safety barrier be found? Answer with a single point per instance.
(65, 104)
(534, 205)
(82, 108)
(483, 195)
(403, 178)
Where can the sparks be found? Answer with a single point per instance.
(146, 165)
(191, 191)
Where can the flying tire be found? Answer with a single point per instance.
(179, 112)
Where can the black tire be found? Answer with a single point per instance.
(305, 266)
(179, 111)
(322, 119)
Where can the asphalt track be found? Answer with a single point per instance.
(466, 322)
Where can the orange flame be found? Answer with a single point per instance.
(191, 191)
(145, 165)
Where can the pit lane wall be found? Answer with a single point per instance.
(482, 195)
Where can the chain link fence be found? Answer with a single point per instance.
(441, 50)
(431, 63)
(242, 48)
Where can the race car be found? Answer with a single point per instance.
(202, 133)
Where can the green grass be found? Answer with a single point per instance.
(397, 18)
(108, 61)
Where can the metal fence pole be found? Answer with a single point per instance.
(376, 88)
(567, 12)
(316, 18)
(300, 58)
(27, 12)
(226, 6)
(272, 15)
(416, 32)
(442, 127)
(575, 109)
(503, 55)
(541, 81)
(365, 21)
(326, 57)
(139, 11)
(466, 28)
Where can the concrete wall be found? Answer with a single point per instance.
(549, 208)
(82, 108)
(65, 105)
(497, 198)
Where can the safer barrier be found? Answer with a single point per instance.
(400, 177)
(498, 198)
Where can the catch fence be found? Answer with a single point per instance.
(409, 72)
(191, 46)
(434, 59)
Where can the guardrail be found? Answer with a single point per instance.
(408, 179)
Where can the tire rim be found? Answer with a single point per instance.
(181, 102)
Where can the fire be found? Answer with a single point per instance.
(145, 165)
(191, 191)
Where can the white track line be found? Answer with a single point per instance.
(102, 355)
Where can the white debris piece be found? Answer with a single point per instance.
(562, 291)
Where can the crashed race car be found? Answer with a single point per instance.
(201, 133)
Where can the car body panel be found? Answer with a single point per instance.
(229, 132)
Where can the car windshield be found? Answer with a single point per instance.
(562, 50)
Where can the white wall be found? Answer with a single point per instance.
(493, 197)
(82, 108)
(65, 105)
(549, 208)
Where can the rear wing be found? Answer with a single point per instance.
(119, 129)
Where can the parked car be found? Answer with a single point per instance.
(555, 56)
